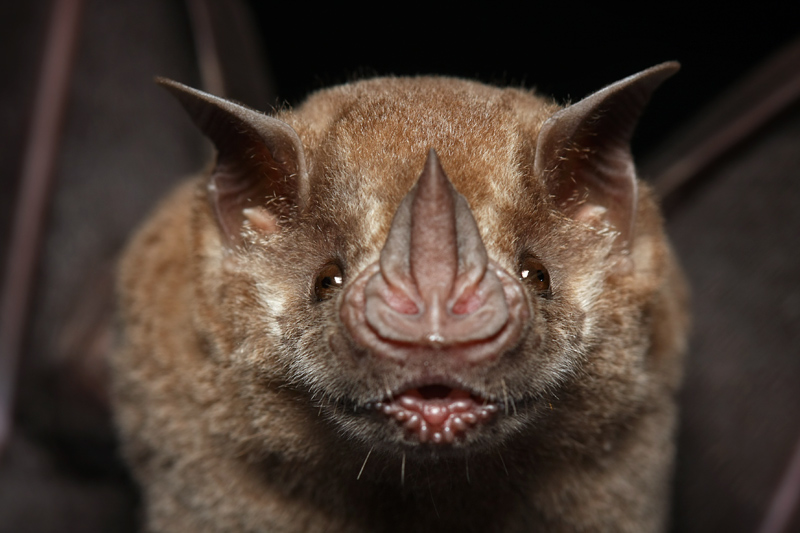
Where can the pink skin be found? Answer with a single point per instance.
(434, 299)
(438, 420)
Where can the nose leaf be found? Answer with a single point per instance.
(434, 286)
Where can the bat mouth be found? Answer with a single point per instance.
(437, 413)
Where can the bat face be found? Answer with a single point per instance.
(437, 338)
(415, 334)
(426, 268)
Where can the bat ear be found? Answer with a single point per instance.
(583, 151)
(260, 175)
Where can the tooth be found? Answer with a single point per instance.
(414, 422)
(491, 408)
(437, 437)
(401, 415)
(389, 409)
(469, 418)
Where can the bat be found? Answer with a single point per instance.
(409, 304)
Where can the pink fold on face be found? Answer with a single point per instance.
(436, 413)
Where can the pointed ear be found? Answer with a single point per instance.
(260, 175)
(583, 151)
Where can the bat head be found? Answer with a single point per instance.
(431, 265)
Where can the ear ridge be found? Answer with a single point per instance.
(260, 172)
(583, 151)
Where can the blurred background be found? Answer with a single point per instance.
(89, 144)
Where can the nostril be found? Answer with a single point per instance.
(400, 303)
(467, 303)
(393, 296)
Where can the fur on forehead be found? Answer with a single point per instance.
(357, 134)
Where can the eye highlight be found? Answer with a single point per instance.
(533, 273)
(329, 279)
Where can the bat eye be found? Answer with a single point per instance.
(533, 272)
(329, 280)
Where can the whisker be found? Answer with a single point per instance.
(365, 463)
(387, 389)
(403, 471)
(503, 463)
(433, 502)
(321, 403)
(505, 395)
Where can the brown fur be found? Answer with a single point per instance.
(229, 399)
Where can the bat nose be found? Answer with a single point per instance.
(435, 287)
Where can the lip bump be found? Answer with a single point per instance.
(437, 413)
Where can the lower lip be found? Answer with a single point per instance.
(437, 420)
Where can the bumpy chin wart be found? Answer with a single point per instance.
(436, 413)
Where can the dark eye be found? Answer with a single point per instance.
(533, 272)
(328, 281)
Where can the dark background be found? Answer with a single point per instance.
(126, 142)
(563, 49)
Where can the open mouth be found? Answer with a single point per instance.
(437, 413)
